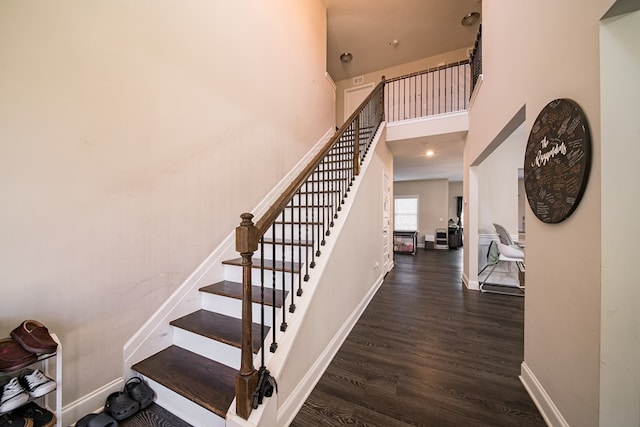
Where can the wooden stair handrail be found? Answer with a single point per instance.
(263, 224)
(429, 70)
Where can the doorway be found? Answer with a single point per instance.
(353, 98)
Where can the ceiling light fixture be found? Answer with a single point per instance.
(394, 43)
(346, 57)
(470, 19)
(430, 153)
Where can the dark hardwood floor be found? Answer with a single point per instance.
(153, 416)
(427, 352)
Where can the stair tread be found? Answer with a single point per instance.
(203, 381)
(218, 327)
(289, 267)
(231, 289)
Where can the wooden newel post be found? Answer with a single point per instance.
(356, 146)
(247, 378)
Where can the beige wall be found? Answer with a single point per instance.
(549, 60)
(122, 129)
(399, 70)
(620, 314)
(433, 203)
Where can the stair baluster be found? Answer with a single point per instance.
(322, 186)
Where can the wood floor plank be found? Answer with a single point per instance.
(428, 352)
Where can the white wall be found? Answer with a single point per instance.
(498, 185)
(433, 203)
(620, 316)
(546, 61)
(133, 134)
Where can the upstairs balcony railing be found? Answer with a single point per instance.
(476, 59)
(439, 90)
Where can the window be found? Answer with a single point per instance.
(405, 213)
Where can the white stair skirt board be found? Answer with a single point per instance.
(547, 408)
(290, 408)
(187, 410)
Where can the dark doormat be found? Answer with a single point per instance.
(153, 416)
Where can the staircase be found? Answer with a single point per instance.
(197, 373)
(203, 362)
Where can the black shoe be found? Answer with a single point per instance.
(40, 416)
(13, 420)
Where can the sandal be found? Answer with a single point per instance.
(121, 406)
(97, 420)
(139, 391)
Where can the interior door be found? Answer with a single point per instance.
(386, 222)
(353, 97)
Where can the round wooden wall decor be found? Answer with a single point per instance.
(557, 161)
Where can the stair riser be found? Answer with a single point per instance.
(212, 349)
(334, 170)
(234, 273)
(233, 307)
(183, 408)
(315, 231)
(299, 252)
(311, 214)
(327, 198)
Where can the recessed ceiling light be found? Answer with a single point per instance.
(470, 19)
(430, 153)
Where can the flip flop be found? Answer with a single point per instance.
(139, 391)
(121, 406)
(97, 420)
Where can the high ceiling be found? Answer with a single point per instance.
(367, 29)
(423, 28)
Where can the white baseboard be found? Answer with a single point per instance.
(90, 403)
(470, 284)
(547, 408)
(289, 409)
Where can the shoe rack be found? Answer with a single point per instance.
(51, 366)
(53, 369)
